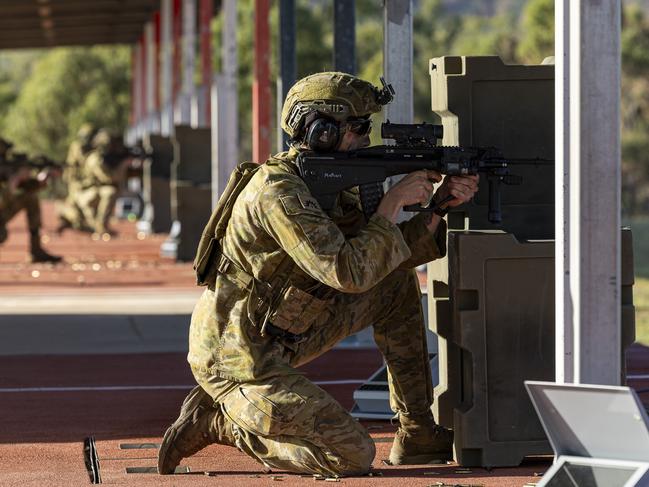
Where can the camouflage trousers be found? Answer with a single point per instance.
(289, 423)
(68, 208)
(28, 201)
(96, 205)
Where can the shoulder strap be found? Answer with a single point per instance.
(209, 244)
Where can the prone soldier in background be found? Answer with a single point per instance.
(19, 188)
(286, 281)
(70, 215)
(103, 171)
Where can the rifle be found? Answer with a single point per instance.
(119, 152)
(327, 174)
(20, 159)
(10, 163)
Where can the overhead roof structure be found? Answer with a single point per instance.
(51, 23)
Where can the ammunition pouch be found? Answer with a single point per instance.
(295, 311)
(286, 312)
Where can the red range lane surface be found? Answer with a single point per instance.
(127, 261)
(42, 432)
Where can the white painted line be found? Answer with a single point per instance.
(339, 382)
(144, 388)
(92, 388)
(636, 377)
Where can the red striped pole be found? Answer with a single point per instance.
(261, 97)
(133, 115)
(177, 58)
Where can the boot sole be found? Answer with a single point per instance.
(434, 459)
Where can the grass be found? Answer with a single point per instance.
(640, 229)
(641, 302)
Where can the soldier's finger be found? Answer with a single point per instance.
(458, 193)
(427, 186)
(464, 183)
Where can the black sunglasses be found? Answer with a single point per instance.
(360, 126)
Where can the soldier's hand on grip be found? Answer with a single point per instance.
(462, 188)
(415, 188)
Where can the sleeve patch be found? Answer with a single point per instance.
(308, 202)
(296, 204)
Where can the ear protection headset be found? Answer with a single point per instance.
(323, 135)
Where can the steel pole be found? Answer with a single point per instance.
(345, 36)
(288, 63)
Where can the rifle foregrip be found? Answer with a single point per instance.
(494, 215)
(371, 195)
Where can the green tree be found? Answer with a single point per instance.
(66, 88)
(635, 110)
(537, 25)
(487, 36)
(15, 69)
(635, 41)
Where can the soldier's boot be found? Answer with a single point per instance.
(64, 224)
(39, 255)
(419, 440)
(199, 424)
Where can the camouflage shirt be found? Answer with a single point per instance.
(276, 218)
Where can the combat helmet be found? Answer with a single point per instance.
(334, 95)
(86, 133)
(102, 140)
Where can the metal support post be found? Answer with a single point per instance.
(141, 82)
(133, 115)
(177, 52)
(397, 64)
(588, 192)
(149, 42)
(345, 36)
(150, 124)
(166, 33)
(288, 63)
(138, 83)
(183, 112)
(261, 85)
(397, 58)
(225, 120)
(156, 62)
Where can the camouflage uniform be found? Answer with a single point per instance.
(99, 184)
(12, 202)
(24, 197)
(69, 213)
(356, 274)
(290, 281)
(99, 191)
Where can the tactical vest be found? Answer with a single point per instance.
(277, 307)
